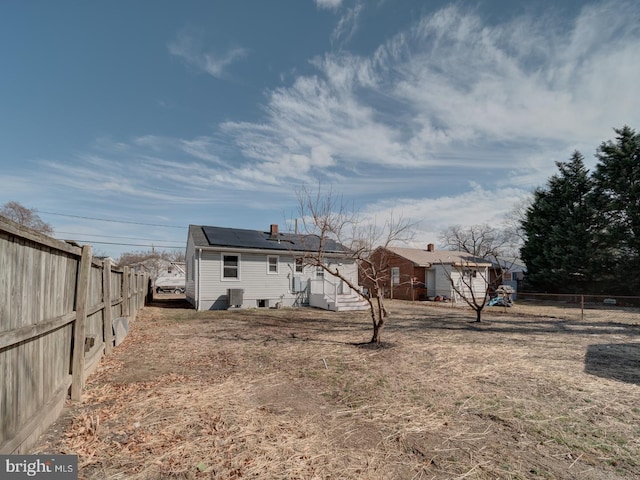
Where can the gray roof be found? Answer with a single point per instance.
(209, 236)
(426, 258)
(511, 264)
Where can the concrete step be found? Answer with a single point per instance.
(349, 302)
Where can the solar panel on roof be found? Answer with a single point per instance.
(235, 237)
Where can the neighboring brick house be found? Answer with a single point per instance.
(418, 274)
(398, 276)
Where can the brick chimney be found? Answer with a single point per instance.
(430, 247)
(274, 229)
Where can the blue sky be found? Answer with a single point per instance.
(160, 114)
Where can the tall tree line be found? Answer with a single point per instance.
(582, 230)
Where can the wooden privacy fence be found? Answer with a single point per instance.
(57, 308)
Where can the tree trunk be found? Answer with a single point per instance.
(378, 317)
(377, 326)
(376, 333)
(478, 315)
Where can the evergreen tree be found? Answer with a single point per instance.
(559, 249)
(617, 199)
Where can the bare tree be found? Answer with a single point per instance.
(177, 256)
(469, 273)
(152, 261)
(478, 240)
(27, 217)
(512, 225)
(325, 216)
(486, 245)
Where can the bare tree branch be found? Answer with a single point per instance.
(478, 240)
(27, 217)
(326, 216)
(463, 282)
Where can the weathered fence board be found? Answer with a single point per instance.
(107, 330)
(57, 305)
(80, 328)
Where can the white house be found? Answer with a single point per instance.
(434, 273)
(159, 267)
(230, 267)
(508, 271)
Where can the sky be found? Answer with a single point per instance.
(123, 122)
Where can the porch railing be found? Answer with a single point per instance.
(324, 287)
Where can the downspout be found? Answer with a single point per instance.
(198, 281)
(293, 274)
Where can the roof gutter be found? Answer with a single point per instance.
(469, 264)
(270, 252)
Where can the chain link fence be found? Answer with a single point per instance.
(616, 308)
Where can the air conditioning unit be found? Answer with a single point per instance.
(234, 297)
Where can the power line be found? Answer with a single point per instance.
(112, 221)
(116, 236)
(152, 245)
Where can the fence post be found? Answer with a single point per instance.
(126, 281)
(106, 299)
(79, 331)
(582, 308)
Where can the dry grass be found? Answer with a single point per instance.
(287, 394)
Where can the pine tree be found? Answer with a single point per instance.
(560, 249)
(617, 198)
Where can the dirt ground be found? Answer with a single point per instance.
(289, 393)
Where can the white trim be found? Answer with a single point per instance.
(395, 275)
(270, 252)
(269, 257)
(229, 254)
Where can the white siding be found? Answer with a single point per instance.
(480, 284)
(445, 274)
(443, 285)
(255, 280)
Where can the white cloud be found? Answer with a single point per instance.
(450, 99)
(489, 81)
(188, 47)
(154, 142)
(16, 187)
(456, 91)
(329, 4)
(202, 148)
(347, 25)
(432, 215)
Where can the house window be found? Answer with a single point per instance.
(231, 267)
(470, 273)
(319, 272)
(395, 275)
(299, 265)
(272, 264)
